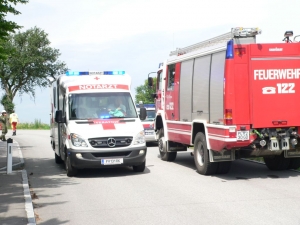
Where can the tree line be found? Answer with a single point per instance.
(26, 59)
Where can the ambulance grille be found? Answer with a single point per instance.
(110, 154)
(110, 142)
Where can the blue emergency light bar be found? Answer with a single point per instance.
(82, 73)
(114, 72)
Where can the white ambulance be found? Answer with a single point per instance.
(94, 122)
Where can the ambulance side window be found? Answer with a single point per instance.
(171, 77)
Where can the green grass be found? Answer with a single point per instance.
(36, 125)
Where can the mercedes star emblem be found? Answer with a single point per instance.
(111, 142)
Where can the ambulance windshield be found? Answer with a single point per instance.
(101, 106)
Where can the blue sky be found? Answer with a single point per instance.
(136, 35)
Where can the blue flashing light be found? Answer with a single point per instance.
(104, 117)
(76, 73)
(114, 72)
(229, 50)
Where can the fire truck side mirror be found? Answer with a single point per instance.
(154, 95)
(143, 113)
(59, 117)
(150, 81)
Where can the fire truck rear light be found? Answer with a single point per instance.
(228, 116)
(229, 51)
(228, 121)
(239, 51)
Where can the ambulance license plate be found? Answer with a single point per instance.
(242, 135)
(111, 161)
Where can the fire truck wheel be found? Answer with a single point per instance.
(223, 167)
(277, 162)
(294, 164)
(58, 160)
(71, 170)
(201, 156)
(139, 168)
(164, 155)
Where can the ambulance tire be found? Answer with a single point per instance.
(58, 160)
(277, 162)
(223, 167)
(139, 168)
(294, 164)
(71, 170)
(164, 155)
(201, 156)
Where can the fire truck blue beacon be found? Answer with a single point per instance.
(94, 122)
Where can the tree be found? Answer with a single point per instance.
(31, 63)
(6, 27)
(144, 92)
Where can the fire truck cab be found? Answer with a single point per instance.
(94, 122)
(230, 97)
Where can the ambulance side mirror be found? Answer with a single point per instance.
(143, 113)
(59, 117)
(150, 81)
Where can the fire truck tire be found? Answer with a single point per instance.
(294, 164)
(277, 162)
(164, 155)
(58, 160)
(139, 168)
(201, 156)
(223, 167)
(71, 170)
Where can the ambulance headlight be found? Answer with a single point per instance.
(139, 138)
(78, 141)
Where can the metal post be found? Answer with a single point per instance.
(9, 155)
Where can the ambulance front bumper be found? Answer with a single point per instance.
(133, 156)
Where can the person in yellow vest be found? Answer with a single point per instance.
(3, 121)
(13, 119)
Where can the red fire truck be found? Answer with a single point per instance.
(230, 98)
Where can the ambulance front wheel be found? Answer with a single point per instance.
(162, 146)
(201, 156)
(139, 168)
(71, 170)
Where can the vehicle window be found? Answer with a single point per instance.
(101, 106)
(171, 76)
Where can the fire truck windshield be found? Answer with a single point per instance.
(101, 106)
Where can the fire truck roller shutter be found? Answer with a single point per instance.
(201, 87)
(217, 87)
(185, 92)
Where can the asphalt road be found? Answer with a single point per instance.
(166, 193)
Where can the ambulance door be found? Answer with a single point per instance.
(172, 92)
